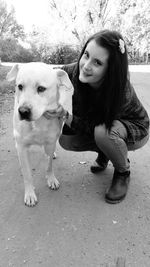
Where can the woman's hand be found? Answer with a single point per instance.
(60, 112)
(69, 118)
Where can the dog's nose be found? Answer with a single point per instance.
(25, 113)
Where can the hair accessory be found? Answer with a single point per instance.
(121, 46)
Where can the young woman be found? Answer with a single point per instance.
(107, 115)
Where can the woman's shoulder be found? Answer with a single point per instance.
(132, 100)
(70, 68)
(130, 91)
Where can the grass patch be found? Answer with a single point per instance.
(5, 86)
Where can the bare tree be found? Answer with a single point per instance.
(8, 24)
(81, 18)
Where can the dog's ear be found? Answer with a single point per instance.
(64, 79)
(12, 74)
(65, 90)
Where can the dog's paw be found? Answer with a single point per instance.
(30, 198)
(52, 183)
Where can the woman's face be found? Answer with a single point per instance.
(93, 64)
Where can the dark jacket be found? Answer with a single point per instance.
(85, 116)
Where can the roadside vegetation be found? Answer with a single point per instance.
(130, 17)
(70, 25)
(5, 86)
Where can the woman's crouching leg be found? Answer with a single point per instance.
(113, 145)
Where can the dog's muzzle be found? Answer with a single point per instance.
(24, 113)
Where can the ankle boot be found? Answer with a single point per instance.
(119, 187)
(100, 164)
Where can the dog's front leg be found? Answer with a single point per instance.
(52, 182)
(30, 198)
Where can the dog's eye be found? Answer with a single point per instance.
(41, 89)
(20, 87)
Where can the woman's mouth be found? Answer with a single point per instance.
(86, 74)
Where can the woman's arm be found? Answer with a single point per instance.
(79, 125)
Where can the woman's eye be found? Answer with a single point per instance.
(86, 54)
(20, 87)
(98, 63)
(41, 89)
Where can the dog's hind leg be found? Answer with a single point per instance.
(30, 198)
(52, 182)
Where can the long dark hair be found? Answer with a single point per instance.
(112, 88)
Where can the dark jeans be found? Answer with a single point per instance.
(73, 142)
(111, 145)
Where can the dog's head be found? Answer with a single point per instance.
(39, 88)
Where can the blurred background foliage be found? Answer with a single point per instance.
(72, 22)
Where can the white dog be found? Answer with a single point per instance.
(38, 88)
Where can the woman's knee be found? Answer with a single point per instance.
(100, 133)
(118, 130)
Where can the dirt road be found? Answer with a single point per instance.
(73, 226)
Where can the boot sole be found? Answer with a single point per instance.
(114, 201)
(96, 169)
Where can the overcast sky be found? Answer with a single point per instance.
(29, 12)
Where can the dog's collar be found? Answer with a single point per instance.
(55, 113)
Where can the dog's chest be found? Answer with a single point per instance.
(40, 132)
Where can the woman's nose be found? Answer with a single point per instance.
(87, 65)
